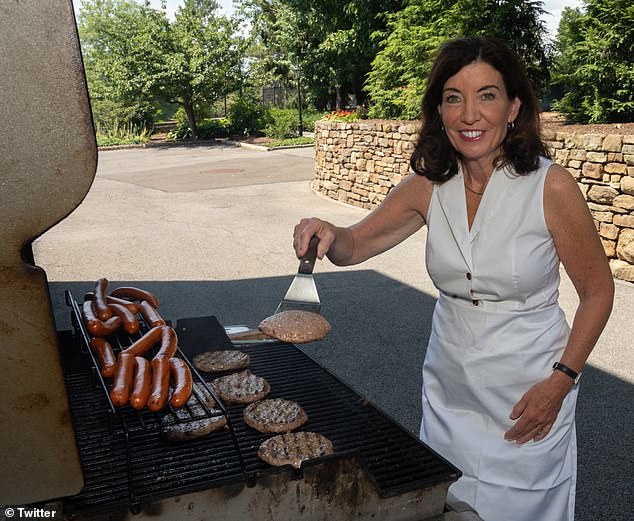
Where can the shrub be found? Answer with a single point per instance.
(248, 117)
(283, 124)
(207, 129)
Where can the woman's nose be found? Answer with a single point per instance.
(470, 112)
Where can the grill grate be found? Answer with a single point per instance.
(396, 461)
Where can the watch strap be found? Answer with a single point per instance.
(557, 366)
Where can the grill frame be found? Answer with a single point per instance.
(118, 476)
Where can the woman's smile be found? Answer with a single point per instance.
(475, 112)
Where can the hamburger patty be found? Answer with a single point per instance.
(240, 388)
(274, 416)
(214, 361)
(293, 448)
(182, 425)
(295, 326)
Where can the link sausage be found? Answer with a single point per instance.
(145, 343)
(136, 294)
(105, 356)
(102, 310)
(122, 382)
(130, 322)
(160, 383)
(169, 342)
(151, 316)
(132, 306)
(97, 327)
(142, 383)
(181, 382)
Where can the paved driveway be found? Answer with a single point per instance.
(208, 228)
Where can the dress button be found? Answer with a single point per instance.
(475, 302)
(468, 276)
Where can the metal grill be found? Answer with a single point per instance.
(126, 469)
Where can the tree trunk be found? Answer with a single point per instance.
(191, 117)
(340, 102)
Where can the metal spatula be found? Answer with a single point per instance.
(302, 293)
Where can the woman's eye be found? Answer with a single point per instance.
(488, 96)
(452, 98)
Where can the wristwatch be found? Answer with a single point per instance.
(565, 369)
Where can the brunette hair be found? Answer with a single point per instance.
(434, 157)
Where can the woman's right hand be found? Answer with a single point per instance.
(304, 231)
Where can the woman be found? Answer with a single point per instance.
(501, 366)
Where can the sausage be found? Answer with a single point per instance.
(169, 342)
(120, 391)
(105, 356)
(160, 383)
(97, 327)
(145, 343)
(132, 306)
(181, 382)
(150, 314)
(101, 306)
(141, 384)
(130, 323)
(136, 294)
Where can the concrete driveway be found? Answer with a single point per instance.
(208, 228)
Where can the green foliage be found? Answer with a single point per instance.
(122, 134)
(207, 129)
(136, 59)
(122, 44)
(284, 123)
(203, 62)
(329, 40)
(291, 142)
(309, 118)
(413, 35)
(594, 62)
(248, 117)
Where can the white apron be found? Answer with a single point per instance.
(497, 329)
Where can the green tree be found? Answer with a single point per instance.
(330, 41)
(122, 45)
(413, 35)
(203, 60)
(135, 58)
(594, 62)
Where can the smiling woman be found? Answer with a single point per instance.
(498, 395)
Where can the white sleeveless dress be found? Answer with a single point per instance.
(497, 329)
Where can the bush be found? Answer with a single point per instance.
(284, 123)
(207, 129)
(248, 117)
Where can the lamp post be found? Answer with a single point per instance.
(297, 72)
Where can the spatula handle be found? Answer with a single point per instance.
(307, 262)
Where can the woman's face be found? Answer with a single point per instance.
(475, 111)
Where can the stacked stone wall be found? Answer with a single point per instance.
(358, 163)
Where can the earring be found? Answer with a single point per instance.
(510, 125)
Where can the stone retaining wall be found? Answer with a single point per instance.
(358, 163)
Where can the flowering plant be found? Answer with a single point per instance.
(345, 116)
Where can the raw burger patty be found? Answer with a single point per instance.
(275, 415)
(295, 326)
(242, 387)
(214, 361)
(182, 425)
(294, 447)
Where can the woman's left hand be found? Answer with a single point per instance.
(537, 410)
